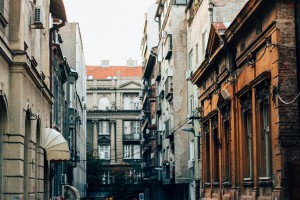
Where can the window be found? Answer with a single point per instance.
(136, 103)
(104, 152)
(225, 111)
(263, 114)
(216, 146)
(132, 152)
(104, 104)
(106, 178)
(197, 52)
(247, 137)
(182, 2)
(132, 177)
(71, 95)
(127, 103)
(104, 128)
(131, 127)
(204, 40)
(226, 143)
(191, 60)
(207, 153)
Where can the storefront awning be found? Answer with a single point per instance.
(71, 192)
(57, 8)
(56, 146)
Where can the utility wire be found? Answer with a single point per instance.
(288, 103)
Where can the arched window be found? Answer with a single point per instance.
(104, 104)
(136, 103)
(126, 103)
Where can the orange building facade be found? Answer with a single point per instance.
(250, 144)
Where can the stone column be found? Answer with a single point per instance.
(95, 139)
(113, 141)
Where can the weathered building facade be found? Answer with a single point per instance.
(26, 97)
(200, 14)
(73, 51)
(248, 99)
(113, 128)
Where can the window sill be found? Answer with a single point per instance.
(265, 181)
(227, 184)
(247, 182)
(216, 184)
(207, 184)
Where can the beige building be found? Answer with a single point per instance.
(113, 126)
(25, 96)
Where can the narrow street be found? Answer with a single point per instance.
(150, 100)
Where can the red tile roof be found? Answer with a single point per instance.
(219, 26)
(99, 72)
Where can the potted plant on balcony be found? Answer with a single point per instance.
(165, 162)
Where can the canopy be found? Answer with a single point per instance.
(56, 146)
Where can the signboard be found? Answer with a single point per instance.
(141, 196)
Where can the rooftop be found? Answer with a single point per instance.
(99, 72)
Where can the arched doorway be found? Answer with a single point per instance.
(3, 123)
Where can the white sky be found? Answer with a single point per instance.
(110, 29)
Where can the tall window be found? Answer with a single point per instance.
(191, 60)
(264, 157)
(132, 152)
(207, 152)
(216, 146)
(204, 40)
(247, 137)
(104, 152)
(71, 95)
(226, 144)
(197, 53)
(104, 104)
(104, 128)
(127, 103)
(136, 103)
(107, 178)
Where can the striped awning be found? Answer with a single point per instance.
(56, 146)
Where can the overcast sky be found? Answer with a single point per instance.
(110, 29)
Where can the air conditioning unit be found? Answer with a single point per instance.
(188, 74)
(191, 164)
(39, 17)
(63, 179)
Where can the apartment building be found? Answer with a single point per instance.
(26, 98)
(248, 90)
(114, 128)
(200, 14)
(72, 49)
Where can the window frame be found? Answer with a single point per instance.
(106, 150)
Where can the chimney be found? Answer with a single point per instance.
(104, 63)
(131, 63)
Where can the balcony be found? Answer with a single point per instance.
(131, 137)
(158, 72)
(158, 107)
(152, 97)
(158, 139)
(133, 161)
(166, 175)
(168, 47)
(168, 132)
(169, 88)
